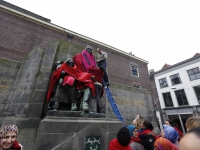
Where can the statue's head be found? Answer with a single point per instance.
(70, 62)
(89, 49)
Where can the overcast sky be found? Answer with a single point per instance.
(159, 31)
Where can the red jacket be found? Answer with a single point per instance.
(115, 145)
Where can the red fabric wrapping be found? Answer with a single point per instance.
(79, 62)
(88, 60)
(97, 73)
(84, 78)
(68, 80)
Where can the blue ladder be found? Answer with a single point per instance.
(113, 104)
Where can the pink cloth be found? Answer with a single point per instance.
(88, 60)
(68, 80)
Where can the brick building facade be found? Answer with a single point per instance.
(29, 46)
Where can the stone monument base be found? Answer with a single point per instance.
(57, 113)
(76, 133)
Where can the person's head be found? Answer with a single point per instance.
(191, 140)
(123, 136)
(131, 128)
(138, 121)
(89, 49)
(164, 144)
(192, 122)
(169, 122)
(169, 133)
(8, 135)
(147, 125)
(99, 50)
(70, 62)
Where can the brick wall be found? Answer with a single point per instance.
(19, 36)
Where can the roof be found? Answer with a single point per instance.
(178, 64)
(165, 66)
(23, 10)
(197, 54)
(12, 9)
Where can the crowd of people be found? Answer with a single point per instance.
(140, 136)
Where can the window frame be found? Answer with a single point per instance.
(198, 99)
(132, 70)
(162, 83)
(194, 73)
(172, 80)
(165, 101)
(182, 99)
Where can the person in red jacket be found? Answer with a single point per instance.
(8, 136)
(122, 141)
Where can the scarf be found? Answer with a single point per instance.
(143, 132)
(170, 133)
(88, 60)
(164, 144)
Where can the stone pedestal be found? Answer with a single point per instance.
(71, 133)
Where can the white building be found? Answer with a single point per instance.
(178, 88)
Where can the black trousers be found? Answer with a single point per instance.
(98, 88)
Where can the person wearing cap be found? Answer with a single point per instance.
(101, 61)
(8, 138)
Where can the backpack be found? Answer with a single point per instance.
(147, 140)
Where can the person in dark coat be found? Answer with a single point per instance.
(146, 135)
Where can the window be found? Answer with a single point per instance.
(194, 73)
(167, 99)
(163, 82)
(175, 79)
(134, 70)
(197, 91)
(181, 97)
